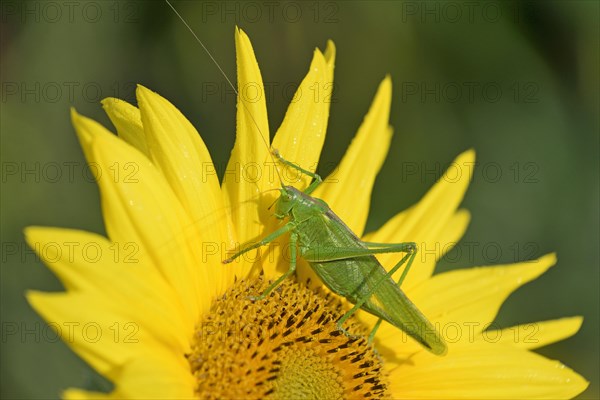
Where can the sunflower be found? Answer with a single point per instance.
(152, 308)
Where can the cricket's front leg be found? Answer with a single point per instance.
(290, 271)
(317, 180)
(268, 239)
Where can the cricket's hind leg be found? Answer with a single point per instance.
(323, 255)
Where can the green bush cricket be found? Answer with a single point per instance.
(344, 263)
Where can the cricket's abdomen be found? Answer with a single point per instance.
(362, 277)
(384, 298)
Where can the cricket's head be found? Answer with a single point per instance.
(289, 197)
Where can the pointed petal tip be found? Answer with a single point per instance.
(549, 259)
(382, 101)
(466, 157)
(142, 93)
(330, 52)
(318, 62)
(35, 234)
(385, 87)
(75, 116)
(29, 232)
(243, 43)
(239, 31)
(243, 46)
(34, 298)
(147, 97)
(463, 215)
(577, 319)
(390, 131)
(80, 394)
(569, 326)
(81, 125)
(532, 269)
(109, 102)
(465, 161)
(141, 90)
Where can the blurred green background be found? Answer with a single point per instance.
(517, 81)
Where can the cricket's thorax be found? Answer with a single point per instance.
(306, 206)
(321, 231)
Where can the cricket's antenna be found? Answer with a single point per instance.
(230, 84)
(203, 46)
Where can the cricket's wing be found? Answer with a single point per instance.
(390, 303)
(363, 277)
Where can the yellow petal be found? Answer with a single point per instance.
(461, 304)
(536, 334)
(139, 207)
(484, 371)
(300, 137)
(429, 221)
(472, 297)
(447, 238)
(348, 189)
(180, 154)
(156, 377)
(103, 337)
(78, 394)
(432, 248)
(444, 242)
(88, 263)
(126, 118)
(148, 377)
(250, 168)
(330, 57)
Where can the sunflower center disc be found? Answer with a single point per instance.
(285, 346)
